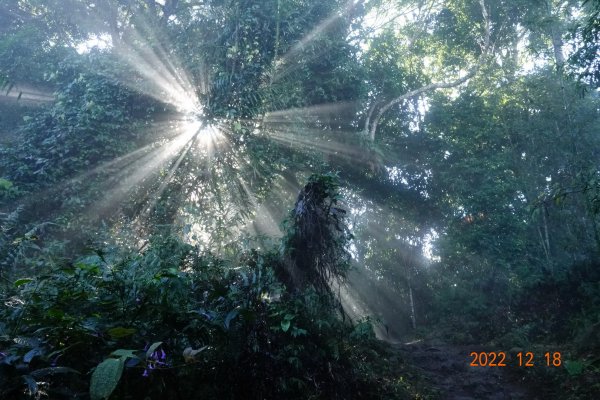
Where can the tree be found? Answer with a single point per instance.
(318, 237)
(586, 56)
(371, 126)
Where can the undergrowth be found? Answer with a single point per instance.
(182, 324)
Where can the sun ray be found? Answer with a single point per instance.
(162, 76)
(324, 113)
(160, 84)
(289, 58)
(195, 127)
(315, 143)
(129, 178)
(27, 94)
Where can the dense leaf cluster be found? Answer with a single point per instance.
(91, 116)
(474, 210)
(230, 331)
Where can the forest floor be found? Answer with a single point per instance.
(448, 373)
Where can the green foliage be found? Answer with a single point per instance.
(5, 184)
(574, 368)
(105, 378)
(252, 54)
(107, 374)
(498, 178)
(26, 56)
(8, 190)
(257, 341)
(585, 61)
(92, 115)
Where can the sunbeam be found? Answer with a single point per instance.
(26, 93)
(287, 60)
(324, 113)
(161, 81)
(197, 128)
(315, 143)
(130, 176)
(162, 76)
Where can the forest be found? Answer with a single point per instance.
(299, 199)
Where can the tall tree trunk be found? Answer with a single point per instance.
(545, 237)
(413, 316)
(557, 45)
(410, 263)
(555, 33)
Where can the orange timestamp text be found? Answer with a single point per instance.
(521, 359)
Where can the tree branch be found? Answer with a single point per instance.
(372, 128)
(370, 114)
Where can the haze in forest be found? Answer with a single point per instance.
(299, 198)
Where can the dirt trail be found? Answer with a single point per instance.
(446, 369)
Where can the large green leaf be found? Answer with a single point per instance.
(124, 353)
(121, 332)
(105, 378)
(22, 281)
(230, 316)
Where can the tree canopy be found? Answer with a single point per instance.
(245, 199)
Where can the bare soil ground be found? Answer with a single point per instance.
(448, 372)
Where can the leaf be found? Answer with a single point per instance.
(23, 281)
(574, 368)
(123, 353)
(94, 269)
(42, 372)
(120, 332)
(32, 385)
(132, 362)
(26, 341)
(285, 325)
(152, 349)
(298, 332)
(31, 354)
(230, 316)
(105, 378)
(189, 354)
(55, 313)
(5, 184)
(167, 273)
